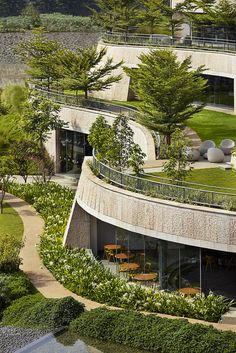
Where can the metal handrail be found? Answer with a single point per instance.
(91, 104)
(166, 191)
(168, 41)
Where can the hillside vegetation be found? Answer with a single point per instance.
(75, 7)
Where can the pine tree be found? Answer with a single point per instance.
(167, 89)
(84, 70)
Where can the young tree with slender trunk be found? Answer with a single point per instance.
(167, 89)
(42, 57)
(178, 166)
(84, 70)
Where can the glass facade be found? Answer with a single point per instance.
(170, 266)
(210, 31)
(73, 146)
(220, 91)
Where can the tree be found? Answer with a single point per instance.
(167, 89)
(42, 57)
(174, 18)
(115, 14)
(178, 166)
(31, 13)
(149, 14)
(40, 118)
(7, 168)
(23, 155)
(13, 97)
(115, 144)
(83, 70)
(99, 135)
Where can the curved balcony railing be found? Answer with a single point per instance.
(167, 41)
(92, 104)
(190, 194)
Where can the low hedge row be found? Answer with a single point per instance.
(35, 311)
(84, 275)
(13, 286)
(153, 333)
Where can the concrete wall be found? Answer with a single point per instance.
(80, 119)
(216, 63)
(166, 220)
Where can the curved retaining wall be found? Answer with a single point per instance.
(167, 220)
(81, 119)
(216, 63)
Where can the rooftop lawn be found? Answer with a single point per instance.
(211, 125)
(210, 176)
(11, 223)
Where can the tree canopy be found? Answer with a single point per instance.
(167, 89)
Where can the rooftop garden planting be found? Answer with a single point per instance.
(83, 274)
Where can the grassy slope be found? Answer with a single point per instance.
(214, 125)
(11, 223)
(211, 176)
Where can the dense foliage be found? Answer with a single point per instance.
(55, 22)
(153, 333)
(73, 7)
(9, 252)
(35, 311)
(13, 286)
(80, 272)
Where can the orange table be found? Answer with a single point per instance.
(145, 277)
(123, 256)
(129, 266)
(189, 291)
(112, 246)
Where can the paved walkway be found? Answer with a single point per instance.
(41, 278)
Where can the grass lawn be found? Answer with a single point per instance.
(210, 176)
(215, 126)
(11, 223)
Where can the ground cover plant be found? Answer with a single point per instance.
(153, 333)
(13, 286)
(11, 223)
(37, 312)
(80, 272)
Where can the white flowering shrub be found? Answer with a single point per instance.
(86, 276)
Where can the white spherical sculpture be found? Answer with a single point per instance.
(215, 155)
(193, 154)
(227, 145)
(205, 146)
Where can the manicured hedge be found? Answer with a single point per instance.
(83, 274)
(35, 311)
(13, 286)
(153, 333)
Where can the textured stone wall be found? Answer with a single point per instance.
(167, 220)
(12, 70)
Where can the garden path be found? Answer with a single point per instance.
(41, 278)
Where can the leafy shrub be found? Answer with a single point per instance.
(9, 253)
(35, 311)
(4, 295)
(83, 274)
(153, 333)
(18, 284)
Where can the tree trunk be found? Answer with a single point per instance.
(168, 139)
(86, 94)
